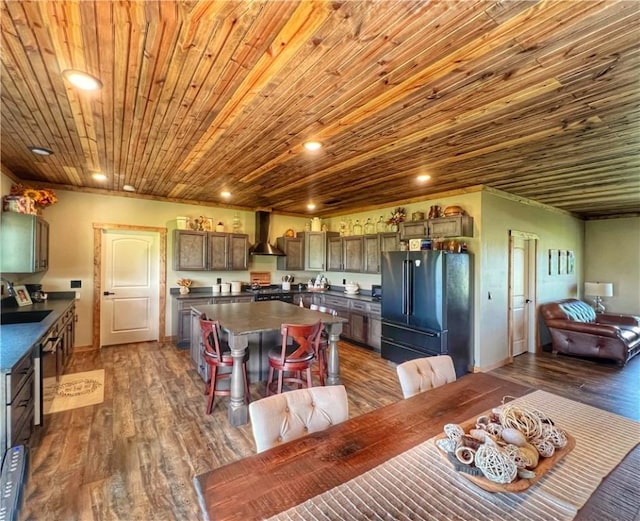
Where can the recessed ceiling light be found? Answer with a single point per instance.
(129, 188)
(82, 80)
(41, 151)
(311, 206)
(423, 178)
(312, 145)
(225, 194)
(99, 176)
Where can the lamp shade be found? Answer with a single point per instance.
(598, 289)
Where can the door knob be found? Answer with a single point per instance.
(106, 293)
(527, 301)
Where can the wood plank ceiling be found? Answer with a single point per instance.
(536, 98)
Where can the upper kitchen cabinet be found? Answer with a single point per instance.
(189, 250)
(209, 251)
(315, 249)
(293, 247)
(25, 243)
(454, 226)
(345, 253)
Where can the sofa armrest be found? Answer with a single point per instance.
(618, 320)
(584, 327)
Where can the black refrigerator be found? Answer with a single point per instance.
(426, 306)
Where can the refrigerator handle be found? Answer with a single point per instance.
(405, 289)
(410, 288)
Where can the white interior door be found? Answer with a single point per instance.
(520, 303)
(130, 287)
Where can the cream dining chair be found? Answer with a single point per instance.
(422, 374)
(284, 417)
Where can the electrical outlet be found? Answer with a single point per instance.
(344, 281)
(76, 284)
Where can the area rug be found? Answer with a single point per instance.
(73, 391)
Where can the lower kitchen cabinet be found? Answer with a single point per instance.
(17, 397)
(364, 324)
(182, 320)
(58, 344)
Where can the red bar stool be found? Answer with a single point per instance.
(297, 353)
(217, 354)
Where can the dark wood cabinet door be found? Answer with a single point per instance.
(371, 248)
(189, 250)
(358, 327)
(218, 251)
(334, 254)
(293, 247)
(315, 250)
(389, 241)
(352, 254)
(238, 252)
(414, 230)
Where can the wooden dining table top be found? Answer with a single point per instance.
(270, 482)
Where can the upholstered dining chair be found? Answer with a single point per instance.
(295, 355)
(321, 367)
(422, 374)
(284, 417)
(217, 355)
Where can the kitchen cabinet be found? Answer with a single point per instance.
(182, 319)
(454, 226)
(58, 345)
(345, 254)
(24, 245)
(440, 227)
(17, 397)
(364, 318)
(371, 253)
(315, 249)
(389, 241)
(210, 251)
(414, 230)
(293, 247)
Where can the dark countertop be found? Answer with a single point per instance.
(18, 339)
(205, 292)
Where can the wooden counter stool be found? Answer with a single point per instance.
(216, 355)
(296, 354)
(322, 366)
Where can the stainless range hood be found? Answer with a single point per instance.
(262, 246)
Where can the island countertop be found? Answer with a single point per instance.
(18, 339)
(257, 317)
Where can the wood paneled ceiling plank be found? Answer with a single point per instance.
(305, 21)
(490, 40)
(193, 116)
(28, 71)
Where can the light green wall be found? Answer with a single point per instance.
(500, 214)
(613, 255)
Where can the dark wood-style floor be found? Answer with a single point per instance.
(134, 456)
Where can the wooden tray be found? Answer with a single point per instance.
(519, 484)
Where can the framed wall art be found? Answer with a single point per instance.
(571, 262)
(553, 262)
(562, 262)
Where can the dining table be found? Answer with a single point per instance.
(240, 320)
(385, 465)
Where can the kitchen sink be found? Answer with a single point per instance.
(23, 317)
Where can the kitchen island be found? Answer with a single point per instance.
(241, 320)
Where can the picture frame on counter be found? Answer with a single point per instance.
(22, 296)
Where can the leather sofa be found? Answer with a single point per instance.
(576, 329)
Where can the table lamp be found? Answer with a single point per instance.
(598, 290)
